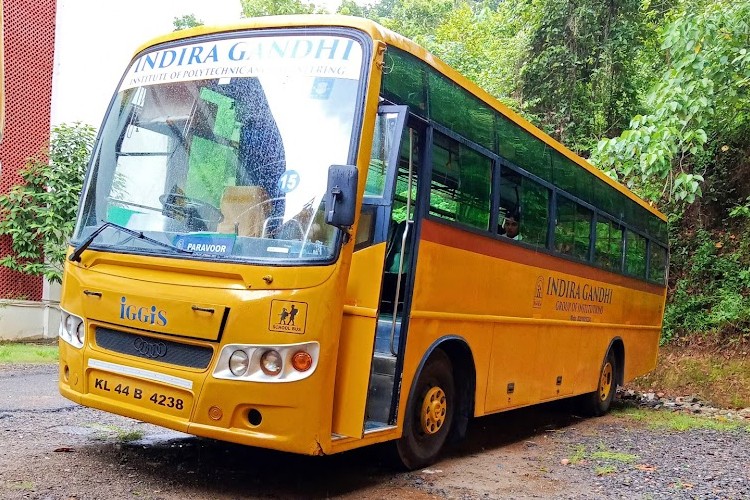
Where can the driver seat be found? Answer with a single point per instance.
(244, 209)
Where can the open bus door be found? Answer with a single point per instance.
(378, 281)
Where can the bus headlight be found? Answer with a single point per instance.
(267, 363)
(72, 329)
(271, 363)
(239, 361)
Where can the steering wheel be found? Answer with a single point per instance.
(197, 214)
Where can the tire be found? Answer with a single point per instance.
(429, 413)
(599, 402)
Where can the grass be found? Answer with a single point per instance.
(614, 456)
(677, 421)
(605, 470)
(122, 435)
(603, 459)
(579, 454)
(21, 485)
(27, 353)
(718, 376)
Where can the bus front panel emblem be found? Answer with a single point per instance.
(287, 316)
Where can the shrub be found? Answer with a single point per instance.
(39, 213)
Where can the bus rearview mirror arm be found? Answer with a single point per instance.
(341, 196)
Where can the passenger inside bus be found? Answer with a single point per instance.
(511, 226)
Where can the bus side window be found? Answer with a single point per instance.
(509, 210)
(534, 213)
(459, 190)
(366, 228)
(657, 263)
(635, 255)
(572, 229)
(608, 245)
(381, 148)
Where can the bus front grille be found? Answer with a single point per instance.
(164, 351)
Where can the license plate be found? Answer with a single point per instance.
(141, 393)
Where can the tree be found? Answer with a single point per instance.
(258, 8)
(186, 21)
(39, 213)
(488, 44)
(584, 72)
(697, 108)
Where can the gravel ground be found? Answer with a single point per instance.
(53, 449)
(628, 461)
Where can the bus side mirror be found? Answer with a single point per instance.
(341, 195)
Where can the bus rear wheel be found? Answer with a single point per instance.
(598, 402)
(429, 413)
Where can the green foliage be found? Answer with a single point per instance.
(39, 213)
(584, 71)
(742, 210)
(711, 295)
(417, 19)
(186, 21)
(488, 45)
(485, 41)
(258, 8)
(698, 104)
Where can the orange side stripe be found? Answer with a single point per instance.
(444, 234)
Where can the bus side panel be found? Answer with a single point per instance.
(512, 377)
(550, 321)
(357, 341)
(641, 350)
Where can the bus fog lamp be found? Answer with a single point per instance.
(302, 361)
(239, 361)
(270, 362)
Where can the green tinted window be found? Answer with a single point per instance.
(382, 145)
(456, 109)
(461, 180)
(658, 264)
(534, 213)
(527, 203)
(409, 80)
(635, 255)
(608, 245)
(523, 149)
(405, 80)
(402, 192)
(572, 229)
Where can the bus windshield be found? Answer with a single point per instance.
(222, 148)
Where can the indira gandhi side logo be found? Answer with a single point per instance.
(538, 292)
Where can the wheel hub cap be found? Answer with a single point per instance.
(434, 409)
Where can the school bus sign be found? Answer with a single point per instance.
(288, 316)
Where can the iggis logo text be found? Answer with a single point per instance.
(146, 315)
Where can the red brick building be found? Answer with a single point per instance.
(29, 51)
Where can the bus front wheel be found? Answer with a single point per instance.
(598, 402)
(429, 413)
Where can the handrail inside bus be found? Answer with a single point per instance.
(409, 221)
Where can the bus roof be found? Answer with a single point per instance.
(379, 32)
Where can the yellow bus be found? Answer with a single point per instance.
(306, 233)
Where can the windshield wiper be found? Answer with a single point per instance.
(76, 255)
